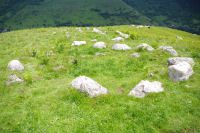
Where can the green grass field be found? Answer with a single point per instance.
(47, 103)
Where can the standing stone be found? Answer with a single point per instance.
(97, 31)
(177, 60)
(118, 39)
(85, 84)
(169, 49)
(100, 45)
(145, 46)
(123, 35)
(145, 87)
(78, 43)
(121, 47)
(179, 72)
(15, 65)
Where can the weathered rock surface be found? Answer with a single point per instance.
(78, 43)
(97, 54)
(97, 31)
(100, 45)
(118, 39)
(169, 49)
(121, 47)
(177, 60)
(88, 85)
(136, 55)
(12, 79)
(145, 87)
(123, 35)
(179, 72)
(15, 65)
(145, 46)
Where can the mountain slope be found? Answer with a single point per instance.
(20, 14)
(46, 102)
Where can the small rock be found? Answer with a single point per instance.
(179, 37)
(136, 55)
(88, 85)
(87, 28)
(151, 74)
(118, 39)
(54, 33)
(12, 79)
(50, 53)
(179, 72)
(97, 31)
(79, 29)
(140, 26)
(169, 49)
(177, 60)
(145, 87)
(15, 65)
(123, 35)
(100, 45)
(97, 54)
(78, 43)
(188, 86)
(58, 67)
(145, 46)
(121, 47)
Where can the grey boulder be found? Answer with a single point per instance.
(121, 47)
(15, 65)
(169, 49)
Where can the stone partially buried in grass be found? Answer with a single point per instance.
(100, 45)
(179, 72)
(12, 79)
(15, 65)
(121, 47)
(145, 47)
(118, 39)
(169, 49)
(78, 43)
(88, 85)
(145, 87)
(177, 60)
(122, 34)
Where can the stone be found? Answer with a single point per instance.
(100, 45)
(79, 29)
(118, 39)
(151, 74)
(15, 65)
(179, 72)
(54, 33)
(58, 68)
(123, 35)
(87, 28)
(140, 26)
(78, 43)
(145, 46)
(136, 55)
(97, 54)
(121, 47)
(145, 87)
(179, 37)
(88, 85)
(177, 60)
(169, 49)
(97, 31)
(12, 79)
(188, 86)
(94, 40)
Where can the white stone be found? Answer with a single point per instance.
(169, 49)
(88, 85)
(121, 47)
(123, 35)
(15, 65)
(97, 54)
(94, 40)
(177, 60)
(145, 87)
(12, 79)
(118, 39)
(87, 28)
(136, 55)
(140, 26)
(145, 46)
(179, 72)
(97, 31)
(79, 29)
(78, 43)
(100, 45)
(179, 37)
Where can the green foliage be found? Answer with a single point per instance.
(28, 78)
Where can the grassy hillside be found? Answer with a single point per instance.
(22, 14)
(46, 102)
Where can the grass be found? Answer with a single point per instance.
(46, 102)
